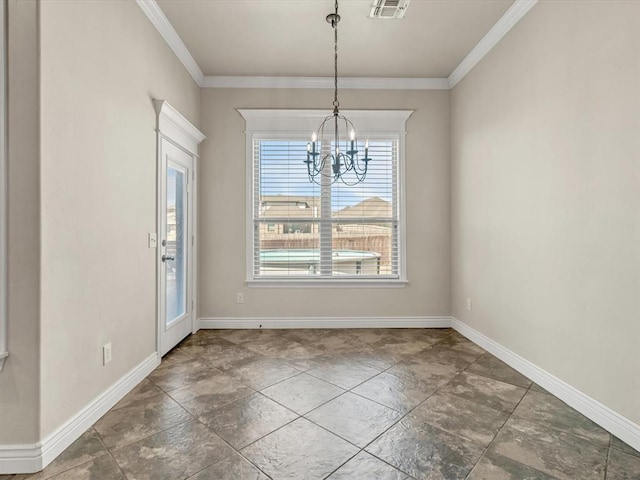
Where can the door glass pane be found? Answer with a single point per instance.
(175, 271)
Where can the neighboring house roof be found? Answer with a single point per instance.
(369, 208)
(279, 206)
(303, 207)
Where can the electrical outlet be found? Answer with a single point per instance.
(240, 297)
(468, 304)
(106, 354)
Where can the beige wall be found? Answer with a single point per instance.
(546, 196)
(222, 211)
(102, 64)
(19, 386)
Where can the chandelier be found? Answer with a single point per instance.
(330, 157)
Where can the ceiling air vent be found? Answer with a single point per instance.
(389, 8)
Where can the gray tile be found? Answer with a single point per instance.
(492, 367)
(249, 336)
(373, 335)
(282, 346)
(486, 391)
(302, 393)
(434, 375)
(336, 342)
(225, 357)
(354, 418)
(424, 335)
(559, 454)
(366, 466)
(370, 357)
(213, 392)
(232, 468)
(176, 375)
(177, 356)
(146, 410)
(343, 374)
(296, 353)
(311, 335)
(366, 356)
(537, 388)
(402, 393)
(398, 344)
(456, 341)
(445, 356)
(496, 467)
(547, 409)
(261, 372)
(205, 338)
(426, 452)
(87, 448)
(623, 466)
(620, 445)
(176, 453)
(443, 438)
(300, 450)
(248, 419)
(461, 417)
(102, 468)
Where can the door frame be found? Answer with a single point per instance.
(176, 129)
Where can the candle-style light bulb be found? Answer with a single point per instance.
(366, 148)
(366, 143)
(314, 137)
(308, 147)
(352, 137)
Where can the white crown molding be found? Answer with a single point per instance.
(153, 11)
(344, 83)
(611, 421)
(174, 126)
(323, 322)
(30, 458)
(499, 30)
(512, 16)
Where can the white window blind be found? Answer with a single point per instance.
(305, 230)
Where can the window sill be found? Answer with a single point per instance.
(326, 283)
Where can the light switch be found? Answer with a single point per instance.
(153, 240)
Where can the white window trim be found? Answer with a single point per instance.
(4, 347)
(281, 123)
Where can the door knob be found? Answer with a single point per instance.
(167, 257)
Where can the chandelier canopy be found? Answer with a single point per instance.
(330, 156)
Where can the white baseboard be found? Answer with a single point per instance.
(25, 458)
(31, 458)
(324, 322)
(611, 421)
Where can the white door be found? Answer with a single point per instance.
(176, 246)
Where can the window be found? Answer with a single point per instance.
(304, 233)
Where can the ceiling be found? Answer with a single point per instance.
(291, 37)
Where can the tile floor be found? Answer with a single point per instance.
(340, 404)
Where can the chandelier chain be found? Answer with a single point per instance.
(332, 157)
(336, 103)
